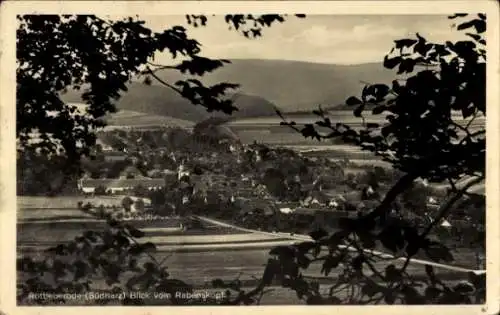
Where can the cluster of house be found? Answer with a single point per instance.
(245, 192)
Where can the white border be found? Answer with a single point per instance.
(8, 11)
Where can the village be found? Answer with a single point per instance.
(244, 184)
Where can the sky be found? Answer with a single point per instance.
(334, 39)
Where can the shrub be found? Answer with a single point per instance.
(127, 202)
(100, 190)
(140, 191)
(139, 205)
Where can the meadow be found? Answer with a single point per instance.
(268, 130)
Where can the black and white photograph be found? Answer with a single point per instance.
(249, 158)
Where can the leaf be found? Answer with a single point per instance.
(81, 270)
(464, 288)
(330, 263)
(438, 252)
(148, 247)
(352, 101)
(357, 262)
(218, 283)
(318, 112)
(474, 36)
(432, 293)
(389, 298)
(314, 300)
(406, 42)
(391, 63)
(372, 125)
(386, 130)
(309, 131)
(457, 15)
(113, 223)
(149, 266)
(270, 271)
(468, 111)
(303, 261)
(367, 240)
(359, 110)
(380, 91)
(411, 295)
(392, 273)
(465, 25)
(336, 239)
(283, 252)
(429, 270)
(406, 66)
(479, 281)
(479, 25)
(147, 80)
(305, 247)
(392, 238)
(135, 232)
(370, 289)
(347, 224)
(317, 250)
(377, 110)
(318, 234)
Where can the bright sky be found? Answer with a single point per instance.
(337, 39)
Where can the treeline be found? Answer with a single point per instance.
(39, 174)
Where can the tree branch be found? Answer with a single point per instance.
(445, 208)
(443, 211)
(151, 72)
(161, 67)
(402, 184)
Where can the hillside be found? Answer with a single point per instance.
(162, 101)
(294, 85)
(137, 119)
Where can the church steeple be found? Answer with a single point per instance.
(182, 170)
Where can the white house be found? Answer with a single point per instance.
(445, 223)
(286, 210)
(333, 204)
(182, 171)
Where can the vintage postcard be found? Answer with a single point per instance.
(273, 155)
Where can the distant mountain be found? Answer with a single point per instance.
(294, 85)
(264, 85)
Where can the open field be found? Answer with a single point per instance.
(200, 268)
(52, 233)
(63, 202)
(343, 116)
(268, 130)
